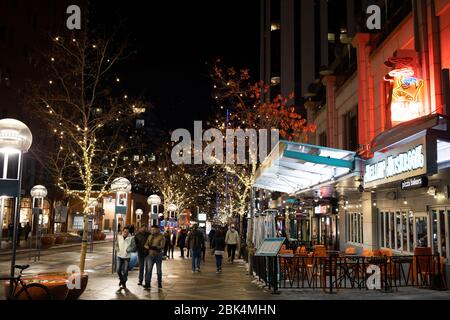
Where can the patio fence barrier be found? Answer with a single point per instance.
(333, 273)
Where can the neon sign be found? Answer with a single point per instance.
(406, 101)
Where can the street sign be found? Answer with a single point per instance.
(270, 247)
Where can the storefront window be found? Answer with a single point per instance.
(404, 230)
(386, 229)
(381, 229)
(355, 230)
(421, 232)
(411, 230)
(398, 230)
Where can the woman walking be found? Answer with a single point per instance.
(218, 245)
(182, 242)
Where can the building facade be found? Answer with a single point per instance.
(392, 113)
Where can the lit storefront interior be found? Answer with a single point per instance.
(309, 174)
(409, 181)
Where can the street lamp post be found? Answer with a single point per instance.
(154, 201)
(15, 140)
(38, 194)
(139, 214)
(172, 209)
(121, 186)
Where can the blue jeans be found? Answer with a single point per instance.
(219, 262)
(196, 257)
(122, 269)
(141, 268)
(149, 263)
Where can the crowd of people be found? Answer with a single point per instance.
(154, 246)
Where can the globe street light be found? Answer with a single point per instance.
(154, 201)
(172, 209)
(38, 193)
(15, 140)
(121, 186)
(139, 214)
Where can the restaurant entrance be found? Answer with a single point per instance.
(324, 230)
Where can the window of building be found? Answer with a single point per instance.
(77, 222)
(323, 139)
(354, 227)
(395, 229)
(351, 130)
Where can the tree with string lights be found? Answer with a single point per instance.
(80, 104)
(240, 106)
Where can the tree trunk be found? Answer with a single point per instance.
(84, 242)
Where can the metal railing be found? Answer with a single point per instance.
(333, 273)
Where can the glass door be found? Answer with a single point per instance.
(421, 237)
(440, 231)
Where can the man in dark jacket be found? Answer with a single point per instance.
(140, 238)
(196, 243)
(182, 242)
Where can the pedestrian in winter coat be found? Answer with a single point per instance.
(124, 246)
(218, 245)
(155, 245)
(196, 242)
(232, 241)
(182, 242)
(140, 239)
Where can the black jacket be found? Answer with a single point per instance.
(182, 240)
(195, 240)
(218, 243)
(140, 238)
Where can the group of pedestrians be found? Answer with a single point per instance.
(20, 230)
(151, 248)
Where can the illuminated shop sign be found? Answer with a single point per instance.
(414, 183)
(394, 165)
(406, 99)
(401, 163)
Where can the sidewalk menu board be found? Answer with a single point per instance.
(270, 247)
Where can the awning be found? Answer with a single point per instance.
(292, 167)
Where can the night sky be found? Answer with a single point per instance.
(174, 40)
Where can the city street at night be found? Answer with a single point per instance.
(302, 146)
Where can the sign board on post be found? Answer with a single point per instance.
(270, 247)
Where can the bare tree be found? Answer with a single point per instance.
(79, 104)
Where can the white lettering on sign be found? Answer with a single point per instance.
(394, 165)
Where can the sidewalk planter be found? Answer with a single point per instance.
(72, 294)
(56, 285)
(59, 239)
(47, 241)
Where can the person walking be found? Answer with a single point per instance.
(166, 242)
(124, 246)
(232, 242)
(205, 240)
(218, 245)
(140, 239)
(172, 242)
(182, 242)
(188, 244)
(196, 243)
(27, 230)
(155, 245)
(211, 236)
(19, 233)
(10, 231)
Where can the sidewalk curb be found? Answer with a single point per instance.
(5, 253)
